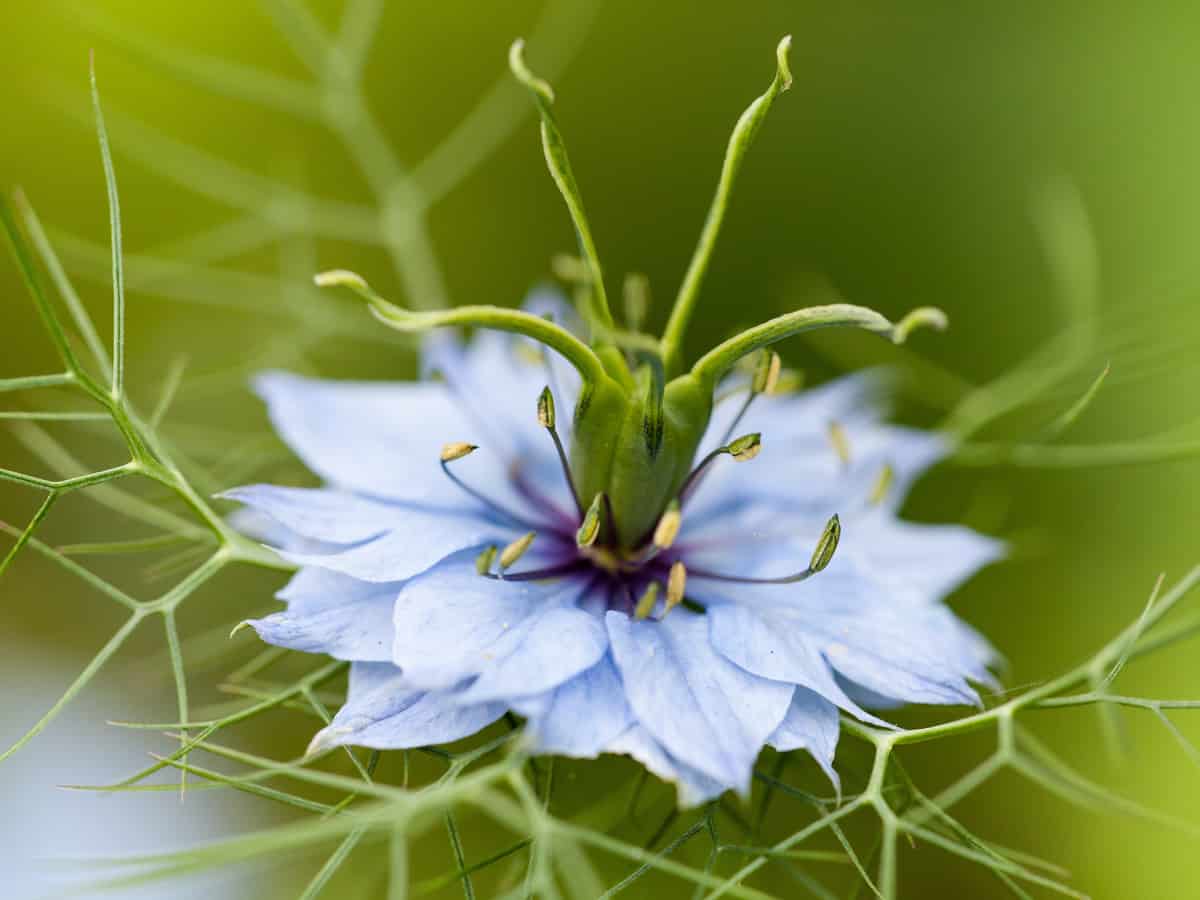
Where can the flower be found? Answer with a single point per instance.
(686, 597)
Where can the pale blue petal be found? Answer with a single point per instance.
(383, 439)
(321, 514)
(581, 717)
(262, 528)
(775, 644)
(367, 676)
(912, 653)
(426, 539)
(333, 614)
(497, 376)
(798, 469)
(704, 710)
(692, 786)
(384, 712)
(552, 644)
(928, 561)
(496, 379)
(857, 399)
(811, 724)
(867, 698)
(451, 622)
(355, 631)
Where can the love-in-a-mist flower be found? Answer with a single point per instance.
(679, 564)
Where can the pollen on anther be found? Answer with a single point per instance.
(457, 450)
(514, 551)
(840, 442)
(676, 585)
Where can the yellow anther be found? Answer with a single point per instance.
(457, 450)
(676, 585)
(589, 529)
(840, 442)
(667, 528)
(516, 550)
(483, 562)
(766, 375)
(645, 604)
(746, 447)
(883, 485)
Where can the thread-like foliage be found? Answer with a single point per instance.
(350, 808)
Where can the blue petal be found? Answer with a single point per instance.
(552, 644)
(498, 376)
(383, 439)
(262, 528)
(426, 539)
(581, 717)
(918, 652)
(811, 724)
(332, 614)
(930, 561)
(851, 400)
(776, 645)
(496, 379)
(693, 787)
(705, 711)
(452, 624)
(901, 560)
(321, 514)
(798, 468)
(385, 712)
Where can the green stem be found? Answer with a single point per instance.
(739, 142)
(114, 219)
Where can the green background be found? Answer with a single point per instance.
(900, 170)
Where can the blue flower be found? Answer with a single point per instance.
(688, 645)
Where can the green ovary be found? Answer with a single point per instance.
(613, 453)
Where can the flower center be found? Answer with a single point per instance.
(639, 570)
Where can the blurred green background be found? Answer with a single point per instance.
(901, 170)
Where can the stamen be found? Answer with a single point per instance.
(667, 528)
(663, 536)
(575, 565)
(764, 381)
(766, 376)
(676, 585)
(827, 544)
(483, 562)
(882, 486)
(645, 604)
(789, 382)
(547, 419)
(822, 555)
(516, 550)
(840, 442)
(589, 529)
(570, 269)
(743, 449)
(451, 452)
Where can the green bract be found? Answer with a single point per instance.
(640, 415)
